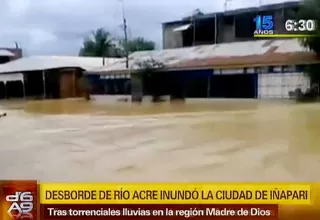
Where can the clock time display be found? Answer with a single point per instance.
(265, 27)
(300, 25)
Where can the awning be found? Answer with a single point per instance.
(182, 28)
(11, 77)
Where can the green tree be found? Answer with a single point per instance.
(138, 44)
(310, 9)
(100, 44)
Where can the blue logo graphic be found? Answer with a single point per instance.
(264, 25)
(264, 22)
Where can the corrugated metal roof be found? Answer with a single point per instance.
(268, 59)
(35, 63)
(6, 53)
(248, 53)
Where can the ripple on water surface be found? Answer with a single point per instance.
(219, 140)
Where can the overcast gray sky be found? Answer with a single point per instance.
(57, 27)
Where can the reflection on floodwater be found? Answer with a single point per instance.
(216, 140)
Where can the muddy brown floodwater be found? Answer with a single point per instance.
(216, 140)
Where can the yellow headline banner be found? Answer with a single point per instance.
(174, 193)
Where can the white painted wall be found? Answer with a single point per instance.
(278, 85)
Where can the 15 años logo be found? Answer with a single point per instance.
(21, 205)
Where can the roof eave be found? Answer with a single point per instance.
(199, 67)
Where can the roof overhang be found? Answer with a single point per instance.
(182, 28)
(11, 77)
(41, 63)
(6, 53)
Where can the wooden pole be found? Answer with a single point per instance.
(24, 90)
(24, 86)
(44, 84)
(74, 83)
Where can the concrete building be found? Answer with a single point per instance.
(223, 27)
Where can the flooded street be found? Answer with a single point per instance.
(217, 140)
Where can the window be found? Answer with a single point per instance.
(267, 69)
(291, 68)
(264, 69)
(250, 70)
(276, 69)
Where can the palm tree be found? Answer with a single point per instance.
(100, 44)
(138, 44)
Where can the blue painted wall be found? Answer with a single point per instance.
(193, 83)
(94, 78)
(234, 86)
(194, 74)
(255, 84)
(96, 83)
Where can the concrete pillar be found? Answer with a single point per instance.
(209, 87)
(136, 88)
(5, 90)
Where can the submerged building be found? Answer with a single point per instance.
(249, 69)
(8, 55)
(216, 56)
(46, 76)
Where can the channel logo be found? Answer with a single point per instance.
(18, 200)
(264, 25)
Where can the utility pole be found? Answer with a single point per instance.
(226, 4)
(194, 29)
(125, 35)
